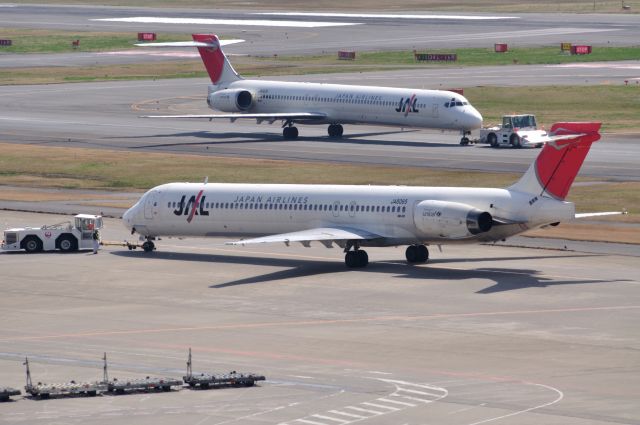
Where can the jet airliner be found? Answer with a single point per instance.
(315, 103)
(353, 217)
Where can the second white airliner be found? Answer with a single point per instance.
(314, 103)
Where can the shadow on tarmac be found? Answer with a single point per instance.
(221, 139)
(505, 279)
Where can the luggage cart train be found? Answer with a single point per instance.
(41, 390)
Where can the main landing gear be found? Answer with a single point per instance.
(355, 258)
(417, 254)
(289, 132)
(335, 131)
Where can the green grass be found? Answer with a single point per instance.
(617, 107)
(476, 57)
(49, 41)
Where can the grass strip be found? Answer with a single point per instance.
(82, 168)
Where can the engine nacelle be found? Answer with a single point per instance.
(231, 100)
(451, 220)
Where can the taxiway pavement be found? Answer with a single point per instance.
(106, 115)
(481, 334)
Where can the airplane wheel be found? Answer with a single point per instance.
(290, 133)
(411, 254)
(464, 141)
(417, 254)
(335, 130)
(356, 259)
(423, 254)
(350, 259)
(363, 258)
(148, 246)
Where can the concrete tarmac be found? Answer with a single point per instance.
(481, 334)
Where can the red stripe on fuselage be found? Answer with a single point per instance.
(195, 206)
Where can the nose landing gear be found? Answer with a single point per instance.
(464, 141)
(148, 245)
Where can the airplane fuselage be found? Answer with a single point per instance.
(402, 214)
(438, 109)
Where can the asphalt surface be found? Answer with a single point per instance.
(371, 32)
(105, 115)
(482, 334)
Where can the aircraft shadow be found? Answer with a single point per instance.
(222, 139)
(505, 279)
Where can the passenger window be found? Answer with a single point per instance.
(404, 209)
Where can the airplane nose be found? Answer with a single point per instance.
(473, 118)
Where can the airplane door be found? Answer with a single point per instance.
(151, 205)
(434, 110)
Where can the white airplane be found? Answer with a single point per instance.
(357, 216)
(313, 103)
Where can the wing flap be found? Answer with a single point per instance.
(318, 234)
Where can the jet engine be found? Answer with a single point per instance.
(451, 220)
(231, 100)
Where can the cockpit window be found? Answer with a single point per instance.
(453, 103)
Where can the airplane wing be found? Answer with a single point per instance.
(270, 117)
(600, 214)
(326, 235)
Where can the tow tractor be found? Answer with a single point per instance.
(65, 236)
(516, 131)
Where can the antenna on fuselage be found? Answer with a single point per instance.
(206, 179)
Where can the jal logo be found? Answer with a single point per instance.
(47, 234)
(407, 105)
(194, 206)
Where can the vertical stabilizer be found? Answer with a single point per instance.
(220, 70)
(557, 165)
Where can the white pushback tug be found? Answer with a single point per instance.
(65, 236)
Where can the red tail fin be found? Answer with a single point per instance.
(219, 69)
(558, 164)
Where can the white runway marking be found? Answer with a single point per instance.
(377, 407)
(560, 397)
(331, 418)
(235, 22)
(598, 65)
(388, 15)
(351, 415)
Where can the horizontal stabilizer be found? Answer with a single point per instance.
(600, 214)
(191, 43)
